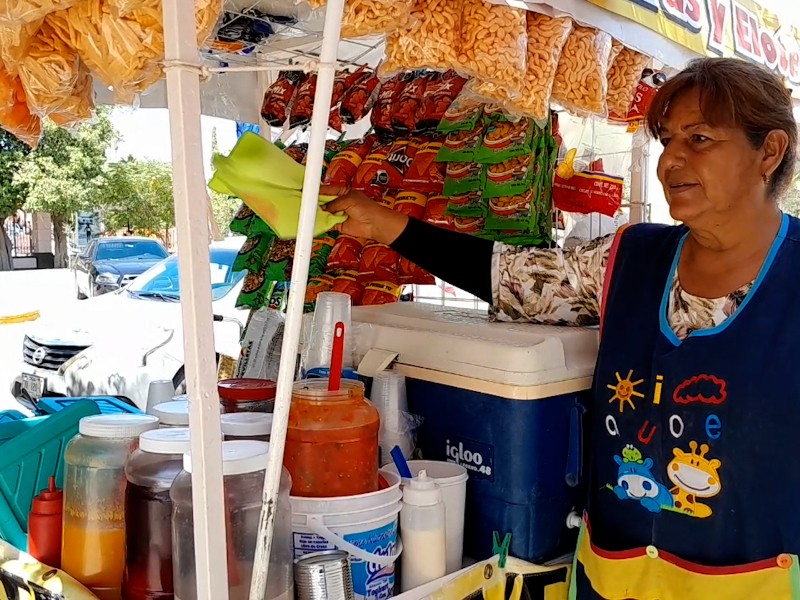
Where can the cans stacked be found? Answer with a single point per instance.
(324, 576)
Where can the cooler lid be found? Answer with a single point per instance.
(463, 348)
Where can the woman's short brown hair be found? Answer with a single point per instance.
(735, 93)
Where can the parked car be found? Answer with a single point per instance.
(108, 264)
(116, 344)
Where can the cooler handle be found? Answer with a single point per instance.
(575, 448)
(315, 524)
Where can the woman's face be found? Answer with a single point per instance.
(707, 172)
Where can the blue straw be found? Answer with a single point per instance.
(400, 463)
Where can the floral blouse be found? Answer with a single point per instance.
(565, 287)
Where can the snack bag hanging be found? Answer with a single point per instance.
(270, 183)
(15, 116)
(585, 59)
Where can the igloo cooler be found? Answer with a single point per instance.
(506, 401)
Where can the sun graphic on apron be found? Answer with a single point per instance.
(624, 391)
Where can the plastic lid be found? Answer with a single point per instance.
(184, 397)
(49, 501)
(247, 390)
(238, 457)
(117, 426)
(175, 412)
(165, 441)
(317, 389)
(246, 424)
(422, 491)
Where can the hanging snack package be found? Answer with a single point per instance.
(363, 18)
(26, 11)
(377, 293)
(546, 39)
(297, 152)
(462, 146)
(494, 43)
(388, 199)
(374, 170)
(317, 285)
(359, 99)
(623, 81)
(436, 213)
(343, 81)
(303, 103)
(345, 164)
(347, 282)
(471, 204)
(400, 158)
(463, 114)
(505, 140)
(407, 110)
(509, 178)
(345, 254)
(15, 37)
(469, 225)
(441, 90)
(411, 203)
(280, 259)
(253, 253)
(429, 41)
(256, 291)
(411, 274)
(79, 106)
(463, 178)
(510, 213)
(378, 262)
(278, 98)
(581, 81)
(426, 174)
(387, 98)
(15, 115)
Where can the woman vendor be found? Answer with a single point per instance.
(693, 489)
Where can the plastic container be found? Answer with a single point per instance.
(158, 392)
(244, 465)
(150, 471)
(247, 395)
(331, 308)
(174, 413)
(422, 527)
(44, 525)
(364, 526)
(246, 426)
(93, 546)
(332, 440)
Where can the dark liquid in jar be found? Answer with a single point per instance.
(148, 568)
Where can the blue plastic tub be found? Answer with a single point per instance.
(106, 404)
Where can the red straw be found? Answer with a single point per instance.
(337, 355)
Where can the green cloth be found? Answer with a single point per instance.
(270, 183)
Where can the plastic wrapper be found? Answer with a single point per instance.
(467, 205)
(494, 41)
(303, 103)
(581, 81)
(407, 110)
(441, 90)
(469, 224)
(504, 140)
(430, 41)
(464, 177)
(15, 116)
(345, 254)
(14, 41)
(463, 145)
(78, 106)
(381, 292)
(25, 11)
(347, 283)
(514, 176)
(364, 18)
(623, 80)
(411, 274)
(426, 174)
(411, 203)
(345, 164)
(436, 213)
(463, 114)
(378, 262)
(253, 252)
(359, 99)
(546, 39)
(278, 98)
(387, 98)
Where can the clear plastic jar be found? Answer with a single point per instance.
(150, 471)
(244, 465)
(247, 395)
(93, 542)
(332, 441)
(247, 426)
(172, 414)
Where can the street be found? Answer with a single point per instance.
(51, 292)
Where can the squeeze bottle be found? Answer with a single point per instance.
(44, 525)
(422, 529)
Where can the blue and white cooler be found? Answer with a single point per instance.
(505, 401)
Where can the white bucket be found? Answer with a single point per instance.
(364, 526)
(452, 479)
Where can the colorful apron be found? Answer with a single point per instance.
(695, 482)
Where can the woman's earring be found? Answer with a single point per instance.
(765, 178)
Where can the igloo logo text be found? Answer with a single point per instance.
(473, 456)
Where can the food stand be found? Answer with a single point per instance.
(671, 36)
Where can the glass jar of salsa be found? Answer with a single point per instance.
(332, 440)
(247, 395)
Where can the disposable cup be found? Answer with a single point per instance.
(388, 394)
(160, 391)
(331, 308)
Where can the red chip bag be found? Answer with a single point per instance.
(425, 174)
(317, 285)
(407, 109)
(303, 105)
(387, 98)
(411, 203)
(343, 81)
(378, 263)
(411, 274)
(345, 164)
(360, 98)
(335, 120)
(440, 91)
(436, 213)
(388, 199)
(278, 98)
(297, 152)
(345, 254)
(374, 169)
(401, 156)
(347, 283)
(380, 292)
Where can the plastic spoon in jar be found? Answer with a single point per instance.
(337, 357)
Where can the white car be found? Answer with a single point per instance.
(116, 344)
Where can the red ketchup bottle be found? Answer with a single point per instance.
(44, 525)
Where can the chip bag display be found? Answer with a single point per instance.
(467, 205)
(436, 212)
(378, 262)
(504, 140)
(441, 90)
(359, 99)
(387, 98)
(426, 174)
(15, 116)
(345, 164)
(411, 203)
(462, 145)
(407, 111)
(347, 283)
(346, 254)
(411, 274)
(380, 292)
(278, 98)
(303, 104)
(464, 177)
(511, 177)
(464, 114)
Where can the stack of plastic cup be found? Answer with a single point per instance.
(159, 392)
(389, 397)
(332, 308)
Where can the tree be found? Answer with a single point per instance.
(67, 173)
(12, 196)
(138, 196)
(222, 207)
